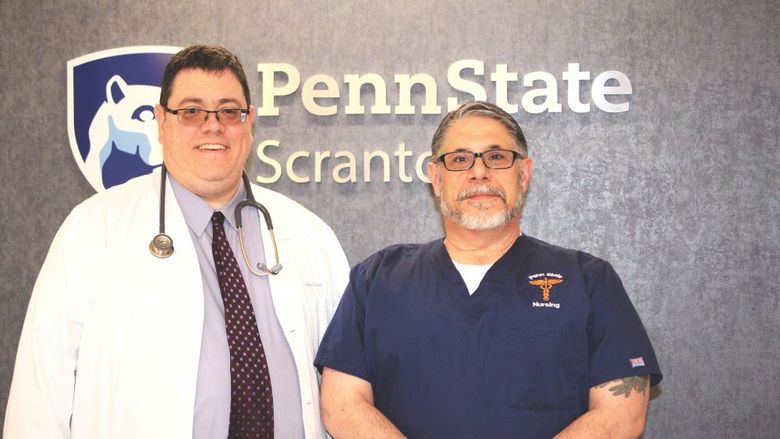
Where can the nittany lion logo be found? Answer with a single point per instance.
(111, 98)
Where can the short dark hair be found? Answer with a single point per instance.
(208, 58)
(480, 109)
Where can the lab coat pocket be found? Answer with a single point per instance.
(313, 295)
(546, 366)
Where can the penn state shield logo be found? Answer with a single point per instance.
(111, 126)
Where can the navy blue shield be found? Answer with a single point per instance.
(111, 126)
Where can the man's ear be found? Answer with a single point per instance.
(435, 177)
(527, 169)
(159, 116)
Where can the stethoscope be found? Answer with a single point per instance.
(162, 244)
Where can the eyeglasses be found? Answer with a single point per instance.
(197, 116)
(464, 160)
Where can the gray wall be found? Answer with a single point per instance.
(680, 193)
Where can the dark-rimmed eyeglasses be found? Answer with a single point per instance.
(194, 116)
(464, 160)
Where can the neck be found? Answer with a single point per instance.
(479, 247)
(218, 201)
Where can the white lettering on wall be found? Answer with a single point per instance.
(321, 94)
(299, 166)
(269, 89)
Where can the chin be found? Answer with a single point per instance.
(217, 174)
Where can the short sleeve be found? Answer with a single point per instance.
(617, 341)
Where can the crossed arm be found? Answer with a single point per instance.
(348, 408)
(617, 409)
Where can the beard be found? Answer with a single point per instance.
(482, 220)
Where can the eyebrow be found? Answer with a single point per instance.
(199, 101)
(491, 147)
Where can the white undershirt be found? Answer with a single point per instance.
(472, 274)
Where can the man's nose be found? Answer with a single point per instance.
(479, 171)
(212, 123)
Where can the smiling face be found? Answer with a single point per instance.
(207, 159)
(480, 198)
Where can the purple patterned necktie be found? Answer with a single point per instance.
(251, 400)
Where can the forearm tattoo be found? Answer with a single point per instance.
(624, 386)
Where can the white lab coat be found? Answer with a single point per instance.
(112, 334)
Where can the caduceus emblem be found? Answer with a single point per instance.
(546, 285)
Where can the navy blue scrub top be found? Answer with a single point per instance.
(508, 361)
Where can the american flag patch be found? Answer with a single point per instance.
(637, 362)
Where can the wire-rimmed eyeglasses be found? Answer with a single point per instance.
(194, 116)
(464, 160)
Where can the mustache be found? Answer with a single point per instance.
(482, 189)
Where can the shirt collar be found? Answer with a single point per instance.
(515, 256)
(197, 213)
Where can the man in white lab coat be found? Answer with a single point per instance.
(121, 343)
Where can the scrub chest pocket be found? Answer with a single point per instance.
(545, 367)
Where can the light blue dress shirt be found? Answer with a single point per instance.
(212, 394)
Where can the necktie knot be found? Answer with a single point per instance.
(217, 218)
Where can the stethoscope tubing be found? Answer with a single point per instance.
(250, 202)
(161, 245)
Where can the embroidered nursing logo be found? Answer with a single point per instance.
(545, 282)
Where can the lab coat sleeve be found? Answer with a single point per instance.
(335, 274)
(41, 397)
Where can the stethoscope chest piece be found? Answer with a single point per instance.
(161, 246)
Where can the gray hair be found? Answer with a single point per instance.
(479, 109)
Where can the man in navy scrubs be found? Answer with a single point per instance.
(487, 333)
